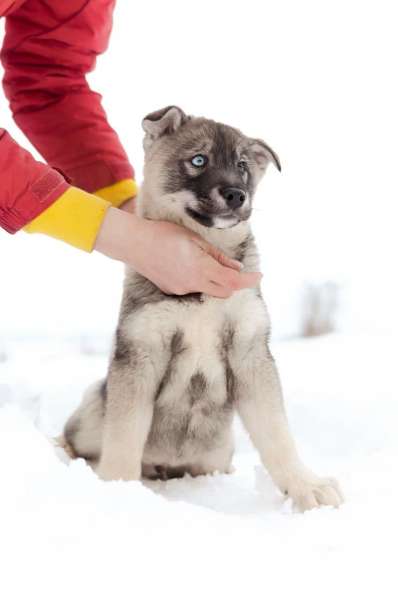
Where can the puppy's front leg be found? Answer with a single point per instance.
(131, 388)
(260, 405)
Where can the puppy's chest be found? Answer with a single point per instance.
(186, 341)
(194, 334)
(190, 342)
(192, 405)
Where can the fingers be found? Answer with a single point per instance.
(129, 206)
(228, 262)
(218, 291)
(224, 259)
(206, 270)
(219, 255)
(231, 279)
(224, 283)
(226, 272)
(248, 279)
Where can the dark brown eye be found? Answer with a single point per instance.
(242, 165)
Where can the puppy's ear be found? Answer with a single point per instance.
(263, 155)
(162, 122)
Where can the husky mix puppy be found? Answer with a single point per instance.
(183, 365)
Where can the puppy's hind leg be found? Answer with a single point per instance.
(60, 442)
(82, 436)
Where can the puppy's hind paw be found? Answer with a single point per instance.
(60, 443)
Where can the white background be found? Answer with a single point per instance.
(315, 79)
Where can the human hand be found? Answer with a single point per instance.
(177, 260)
(129, 205)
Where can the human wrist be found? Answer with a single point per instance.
(129, 205)
(119, 235)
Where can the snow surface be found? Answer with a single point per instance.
(64, 532)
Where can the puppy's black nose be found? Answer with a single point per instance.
(234, 197)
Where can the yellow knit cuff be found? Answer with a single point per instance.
(119, 192)
(74, 218)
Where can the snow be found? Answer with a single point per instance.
(64, 531)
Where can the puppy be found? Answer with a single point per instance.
(183, 365)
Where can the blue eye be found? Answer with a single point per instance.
(199, 160)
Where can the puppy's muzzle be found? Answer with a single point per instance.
(234, 197)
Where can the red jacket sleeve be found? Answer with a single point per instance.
(49, 47)
(27, 188)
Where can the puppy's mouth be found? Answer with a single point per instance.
(203, 219)
(213, 221)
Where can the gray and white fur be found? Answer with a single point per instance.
(183, 365)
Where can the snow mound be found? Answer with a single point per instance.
(65, 532)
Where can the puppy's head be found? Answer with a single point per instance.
(198, 170)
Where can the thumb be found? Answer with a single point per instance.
(219, 256)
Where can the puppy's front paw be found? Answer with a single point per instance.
(310, 491)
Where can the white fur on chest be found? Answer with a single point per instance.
(201, 324)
